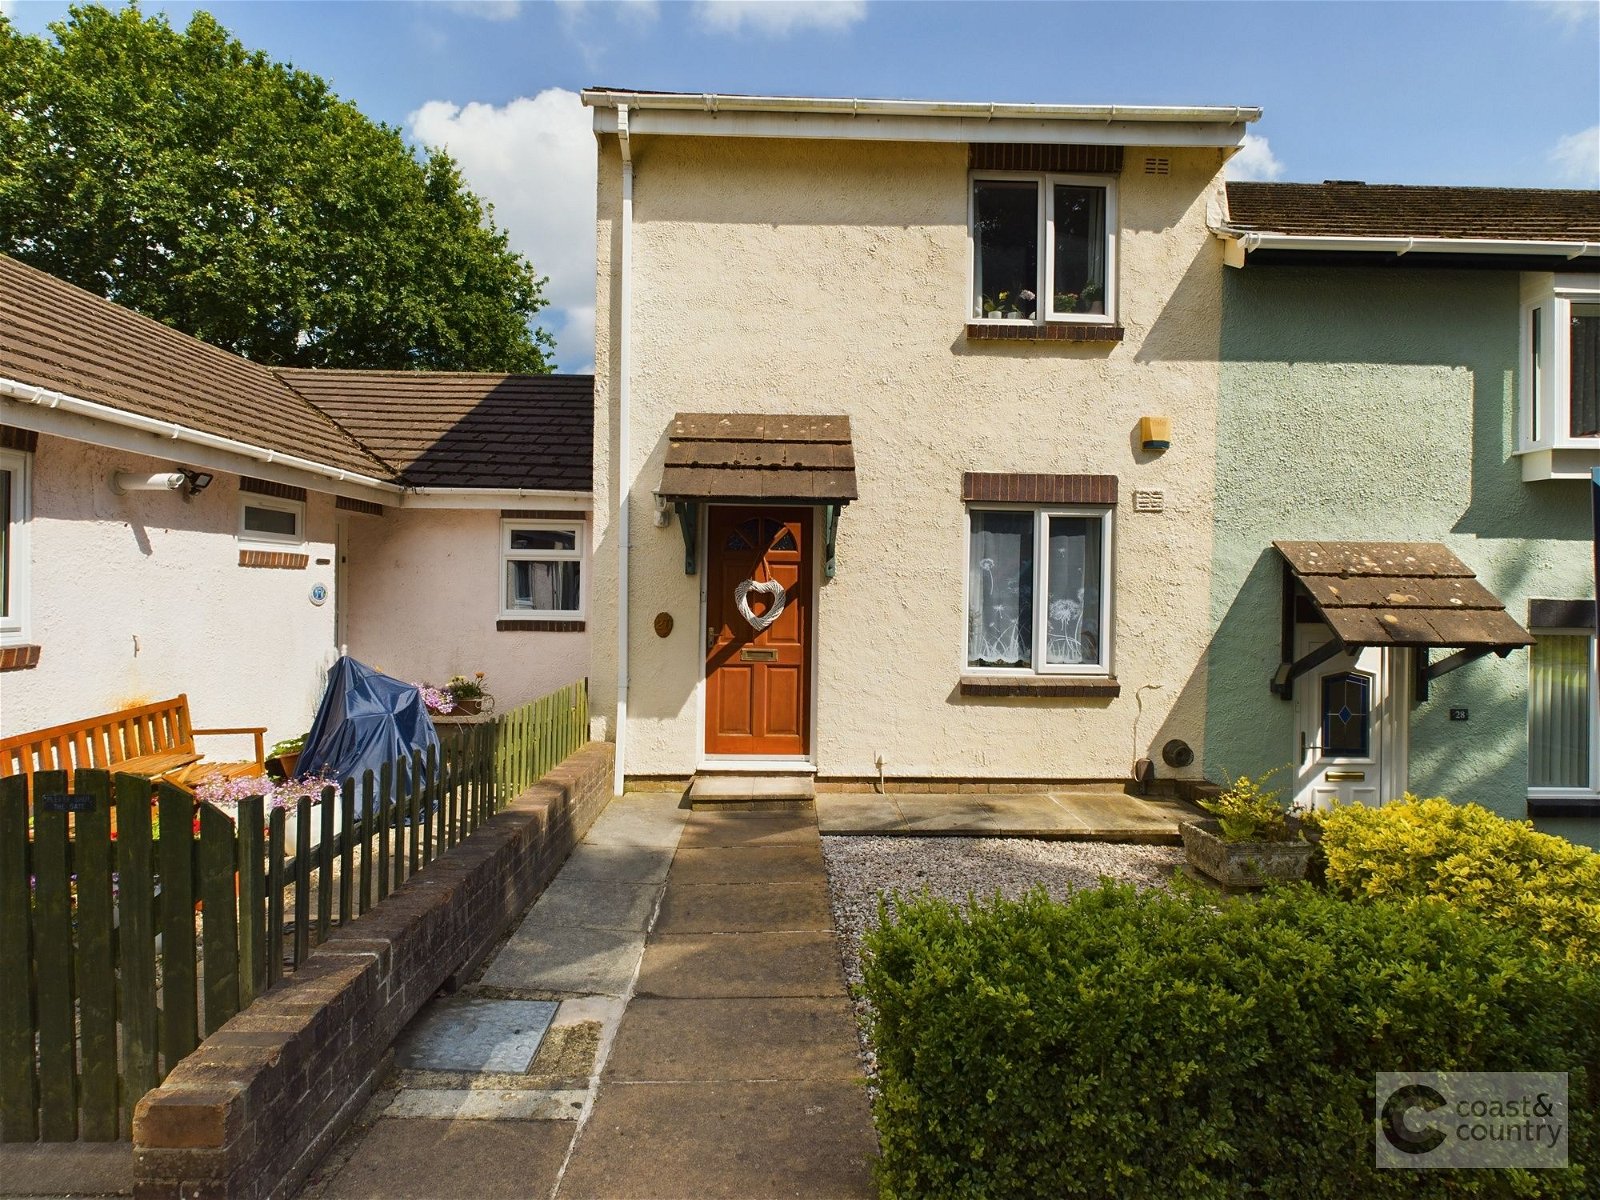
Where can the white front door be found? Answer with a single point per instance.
(1351, 721)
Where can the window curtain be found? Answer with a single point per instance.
(1559, 721)
(1585, 370)
(542, 586)
(1095, 236)
(1000, 590)
(1072, 620)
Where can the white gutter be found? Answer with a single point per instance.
(1249, 240)
(467, 497)
(28, 393)
(624, 449)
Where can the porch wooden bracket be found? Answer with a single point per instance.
(830, 522)
(1283, 681)
(689, 525)
(1427, 672)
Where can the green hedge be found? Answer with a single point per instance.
(1543, 885)
(1161, 1045)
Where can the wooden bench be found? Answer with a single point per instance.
(155, 740)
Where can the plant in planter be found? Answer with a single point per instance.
(470, 695)
(437, 700)
(1252, 842)
(284, 757)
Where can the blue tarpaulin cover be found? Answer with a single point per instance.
(366, 719)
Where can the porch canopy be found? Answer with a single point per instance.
(759, 459)
(1404, 594)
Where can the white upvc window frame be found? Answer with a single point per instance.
(1544, 389)
(1593, 790)
(578, 527)
(15, 625)
(259, 537)
(1045, 268)
(1107, 515)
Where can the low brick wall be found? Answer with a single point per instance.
(251, 1111)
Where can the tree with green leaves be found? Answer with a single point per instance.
(241, 201)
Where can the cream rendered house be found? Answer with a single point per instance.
(905, 426)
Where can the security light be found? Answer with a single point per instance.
(198, 481)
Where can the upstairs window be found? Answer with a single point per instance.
(1049, 236)
(13, 546)
(1560, 391)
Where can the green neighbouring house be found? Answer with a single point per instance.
(1404, 581)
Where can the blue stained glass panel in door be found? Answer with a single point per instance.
(1347, 715)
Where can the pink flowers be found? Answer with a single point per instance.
(437, 700)
(226, 794)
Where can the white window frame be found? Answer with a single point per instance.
(1544, 420)
(14, 627)
(1042, 513)
(1045, 268)
(1593, 790)
(273, 504)
(578, 554)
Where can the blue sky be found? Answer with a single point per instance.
(1467, 93)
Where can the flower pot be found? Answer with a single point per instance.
(286, 763)
(468, 708)
(1243, 864)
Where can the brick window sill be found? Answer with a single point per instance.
(1051, 331)
(18, 658)
(539, 626)
(1045, 687)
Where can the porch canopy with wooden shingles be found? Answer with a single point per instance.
(1416, 595)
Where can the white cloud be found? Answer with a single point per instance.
(1574, 14)
(1577, 158)
(778, 18)
(7, 7)
(534, 160)
(488, 10)
(1255, 160)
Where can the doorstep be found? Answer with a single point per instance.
(733, 790)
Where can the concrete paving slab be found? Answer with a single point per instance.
(741, 964)
(855, 813)
(478, 1105)
(66, 1169)
(637, 826)
(744, 907)
(736, 1039)
(712, 1140)
(469, 1033)
(454, 1160)
(567, 958)
(597, 903)
(758, 864)
(583, 1010)
(635, 864)
(708, 830)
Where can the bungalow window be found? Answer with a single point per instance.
(541, 569)
(13, 546)
(1039, 590)
(1563, 713)
(1051, 236)
(1560, 361)
(269, 519)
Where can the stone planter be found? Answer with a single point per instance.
(1244, 864)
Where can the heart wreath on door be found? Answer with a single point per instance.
(771, 588)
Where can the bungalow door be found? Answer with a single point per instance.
(758, 631)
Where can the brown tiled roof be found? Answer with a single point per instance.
(440, 429)
(58, 336)
(1400, 594)
(1391, 210)
(751, 456)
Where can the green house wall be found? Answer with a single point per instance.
(1379, 405)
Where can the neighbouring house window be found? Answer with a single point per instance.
(1560, 362)
(1051, 236)
(14, 498)
(1563, 710)
(1038, 590)
(541, 569)
(269, 519)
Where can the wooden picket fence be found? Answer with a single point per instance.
(120, 950)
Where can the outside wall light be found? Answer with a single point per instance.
(198, 482)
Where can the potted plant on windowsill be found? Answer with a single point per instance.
(1251, 842)
(471, 697)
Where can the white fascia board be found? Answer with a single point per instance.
(447, 497)
(1257, 240)
(56, 414)
(1221, 131)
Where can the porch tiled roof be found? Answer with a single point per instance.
(1392, 210)
(753, 456)
(442, 429)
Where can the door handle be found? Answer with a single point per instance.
(711, 636)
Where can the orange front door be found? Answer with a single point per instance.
(758, 631)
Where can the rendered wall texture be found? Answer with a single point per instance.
(139, 597)
(1380, 406)
(826, 277)
(425, 591)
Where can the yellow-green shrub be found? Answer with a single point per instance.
(1544, 886)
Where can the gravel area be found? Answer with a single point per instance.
(859, 868)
